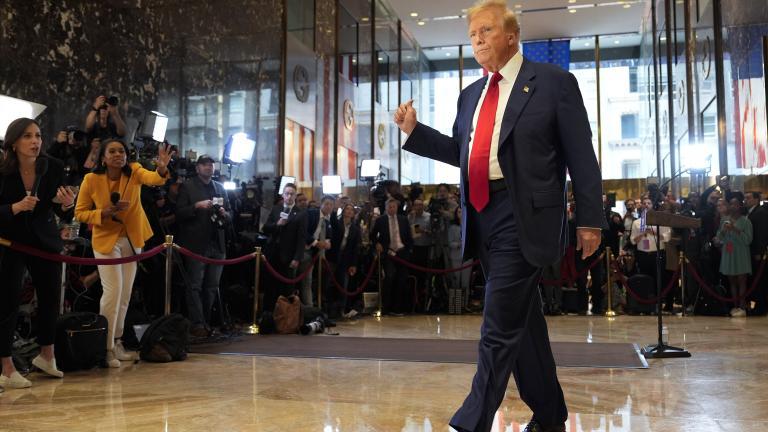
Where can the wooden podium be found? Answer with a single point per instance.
(671, 220)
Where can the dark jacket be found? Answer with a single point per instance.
(347, 257)
(545, 131)
(380, 233)
(37, 228)
(331, 226)
(286, 242)
(195, 228)
(759, 219)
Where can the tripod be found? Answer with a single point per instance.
(657, 218)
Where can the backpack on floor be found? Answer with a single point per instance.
(81, 340)
(166, 339)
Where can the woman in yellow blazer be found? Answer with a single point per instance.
(110, 200)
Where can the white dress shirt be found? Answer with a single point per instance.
(509, 74)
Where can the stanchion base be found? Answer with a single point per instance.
(610, 313)
(377, 314)
(664, 351)
(251, 329)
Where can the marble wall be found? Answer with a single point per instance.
(211, 66)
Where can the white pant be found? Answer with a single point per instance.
(117, 284)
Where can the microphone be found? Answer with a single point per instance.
(41, 168)
(115, 197)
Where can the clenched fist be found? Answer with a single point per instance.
(405, 117)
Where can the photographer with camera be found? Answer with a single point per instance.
(202, 213)
(69, 147)
(104, 121)
(441, 209)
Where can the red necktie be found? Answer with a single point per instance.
(481, 147)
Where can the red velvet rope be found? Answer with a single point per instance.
(189, 253)
(29, 250)
(714, 294)
(643, 300)
(578, 275)
(399, 260)
(359, 289)
(284, 279)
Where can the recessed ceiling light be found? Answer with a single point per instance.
(627, 6)
(364, 19)
(421, 23)
(572, 11)
(414, 14)
(571, 1)
(518, 6)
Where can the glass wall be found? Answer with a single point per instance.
(582, 66)
(621, 107)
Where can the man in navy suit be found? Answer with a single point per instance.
(516, 132)
(392, 236)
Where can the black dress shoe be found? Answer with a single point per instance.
(534, 426)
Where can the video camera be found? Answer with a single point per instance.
(75, 134)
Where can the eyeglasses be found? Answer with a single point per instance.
(482, 32)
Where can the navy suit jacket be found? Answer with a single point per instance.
(545, 130)
(380, 232)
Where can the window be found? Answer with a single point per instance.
(633, 79)
(628, 126)
(630, 169)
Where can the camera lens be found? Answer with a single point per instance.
(112, 100)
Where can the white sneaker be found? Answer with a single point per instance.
(48, 367)
(738, 313)
(15, 381)
(123, 355)
(112, 361)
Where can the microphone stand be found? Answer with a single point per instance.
(661, 349)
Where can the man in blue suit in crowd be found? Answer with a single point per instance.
(516, 132)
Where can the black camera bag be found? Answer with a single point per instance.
(81, 340)
(166, 339)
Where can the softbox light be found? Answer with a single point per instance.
(331, 185)
(238, 149)
(12, 108)
(154, 126)
(369, 168)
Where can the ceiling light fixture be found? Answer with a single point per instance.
(573, 11)
(627, 5)
(414, 14)
(571, 1)
(421, 23)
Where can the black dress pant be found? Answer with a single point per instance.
(514, 337)
(46, 277)
(273, 288)
(397, 296)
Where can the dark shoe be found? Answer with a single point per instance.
(534, 426)
(199, 332)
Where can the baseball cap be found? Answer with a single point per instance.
(205, 159)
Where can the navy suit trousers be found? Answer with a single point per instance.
(514, 337)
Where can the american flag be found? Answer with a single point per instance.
(298, 156)
(347, 164)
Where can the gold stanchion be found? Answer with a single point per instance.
(609, 284)
(254, 328)
(682, 279)
(378, 312)
(4, 242)
(319, 282)
(168, 272)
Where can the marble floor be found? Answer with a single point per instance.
(721, 388)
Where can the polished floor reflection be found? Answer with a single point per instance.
(721, 388)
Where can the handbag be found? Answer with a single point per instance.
(287, 315)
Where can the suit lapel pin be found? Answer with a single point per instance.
(525, 89)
